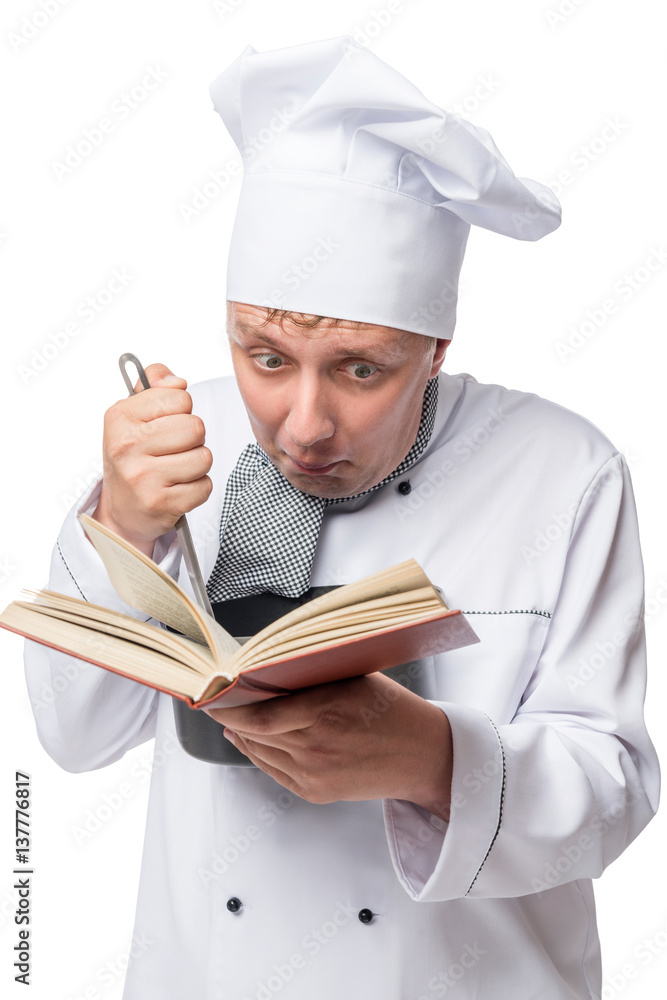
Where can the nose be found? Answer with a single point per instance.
(310, 416)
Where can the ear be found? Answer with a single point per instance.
(439, 356)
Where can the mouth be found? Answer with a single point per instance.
(311, 468)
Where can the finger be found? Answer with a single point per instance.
(173, 433)
(150, 474)
(186, 467)
(159, 374)
(232, 737)
(278, 715)
(152, 494)
(161, 401)
(269, 762)
(288, 743)
(128, 416)
(185, 497)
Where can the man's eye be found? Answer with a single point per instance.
(361, 370)
(268, 360)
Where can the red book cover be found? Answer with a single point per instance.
(351, 657)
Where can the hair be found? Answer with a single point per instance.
(308, 322)
(301, 319)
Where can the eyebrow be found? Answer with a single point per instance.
(342, 350)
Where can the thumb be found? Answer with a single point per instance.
(160, 375)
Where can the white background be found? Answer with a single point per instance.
(545, 79)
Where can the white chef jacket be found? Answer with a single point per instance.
(523, 513)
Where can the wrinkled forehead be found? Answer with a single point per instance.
(275, 326)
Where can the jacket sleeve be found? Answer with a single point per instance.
(86, 716)
(559, 793)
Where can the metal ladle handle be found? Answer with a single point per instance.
(182, 527)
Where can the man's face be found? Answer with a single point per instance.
(336, 408)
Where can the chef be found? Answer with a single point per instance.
(431, 830)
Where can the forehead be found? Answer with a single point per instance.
(249, 322)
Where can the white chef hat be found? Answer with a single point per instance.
(358, 193)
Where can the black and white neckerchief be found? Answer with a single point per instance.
(269, 528)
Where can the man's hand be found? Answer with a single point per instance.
(155, 460)
(366, 738)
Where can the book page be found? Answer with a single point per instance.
(416, 600)
(111, 651)
(195, 655)
(143, 585)
(317, 639)
(385, 586)
(356, 615)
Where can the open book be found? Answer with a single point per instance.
(384, 620)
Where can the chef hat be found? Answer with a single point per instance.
(358, 193)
